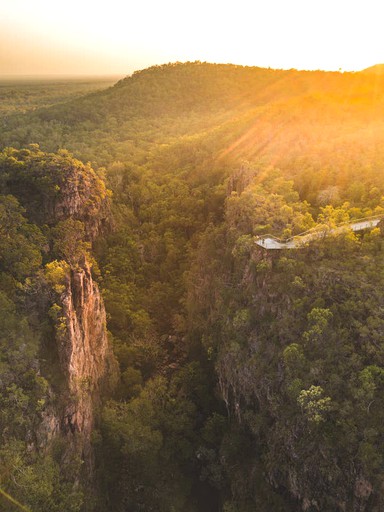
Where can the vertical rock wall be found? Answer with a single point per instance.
(85, 355)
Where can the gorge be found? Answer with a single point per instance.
(153, 356)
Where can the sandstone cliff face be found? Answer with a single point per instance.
(55, 187)
(64, 306)
(82, 196)
(85, 355)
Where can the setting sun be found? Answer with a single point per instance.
(116, 37)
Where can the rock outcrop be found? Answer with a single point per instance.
(67, 206)
(85, 355)
(55, 187)
(80, 195)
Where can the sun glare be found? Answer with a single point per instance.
(119, 37)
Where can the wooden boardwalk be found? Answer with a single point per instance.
(298, 241)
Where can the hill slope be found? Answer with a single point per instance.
(377, 69)
(160, 103)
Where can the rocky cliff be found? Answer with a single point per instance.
(55, 187)
(85, 355)
(70, 201)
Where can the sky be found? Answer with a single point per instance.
(101, 37)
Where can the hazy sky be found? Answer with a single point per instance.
(117, 36)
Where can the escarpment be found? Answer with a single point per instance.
(54, 187)
(70, 203)
(84, 348)
(85, 354)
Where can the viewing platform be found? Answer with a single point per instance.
(271, 242)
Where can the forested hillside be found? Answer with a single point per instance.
(245, 379)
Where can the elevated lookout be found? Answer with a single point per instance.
(271, 242)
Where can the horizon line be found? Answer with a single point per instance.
(60, 76)
(117, 75)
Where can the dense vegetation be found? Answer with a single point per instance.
(33, 248)
(22, 95)
(248, 380)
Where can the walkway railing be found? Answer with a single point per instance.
(322, 230)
